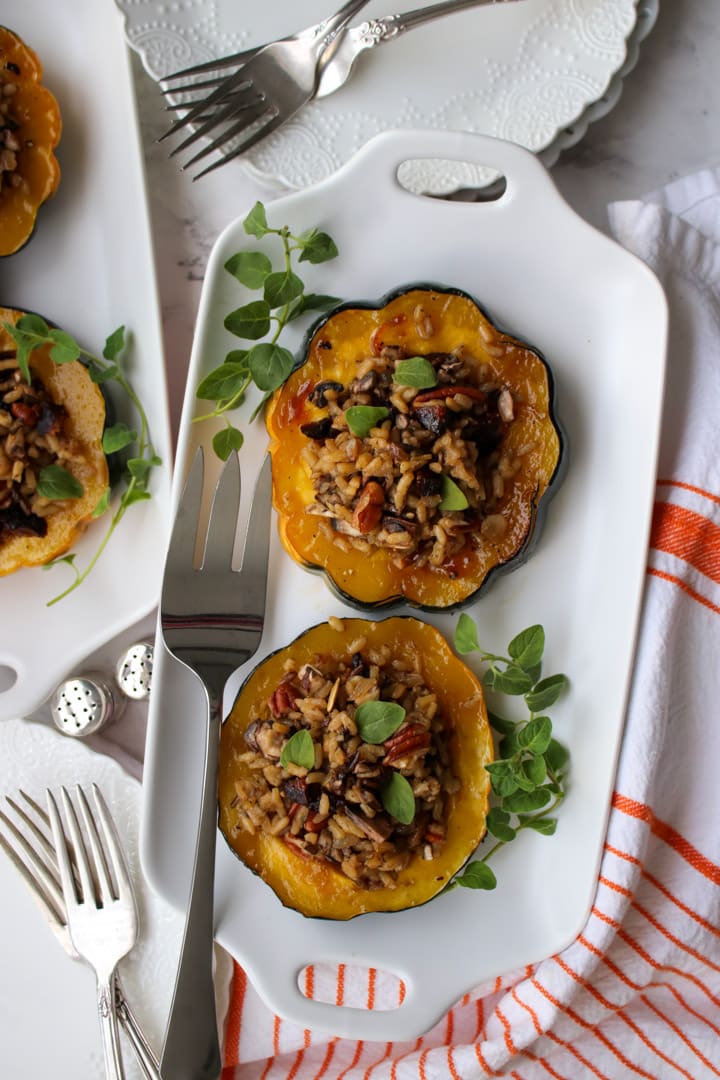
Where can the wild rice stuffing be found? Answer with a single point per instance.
(388, 488)
(334, 810)
(10, 143)
(31, 438)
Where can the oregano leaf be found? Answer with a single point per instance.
(251, 321)
(527, 648)
(361, 419)
(545, 693)
(114, 344)
(117, 438)
(255, 224)
(415, 371)
(55, 482)
(397, 798)
(282, 287)
(298, 750)
(224, 381)
(227, 440)
(524, 802)
(102, 504)
(65, 349)
(452, 497)
(251, 268)
(377, 720)
(513, 680)
(466, 636)
(546, 826)
(34, 325)
(317, 247)
(270, 365)
(536, 735)
(477, 875)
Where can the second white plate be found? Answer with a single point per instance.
(89, 269)
(535, 73)
(599, 317)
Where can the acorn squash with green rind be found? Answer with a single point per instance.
(334, 348)
(84, 408)
(30, 129)
(312, 886)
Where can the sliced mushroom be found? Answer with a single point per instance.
(317, 397)
(377, 828)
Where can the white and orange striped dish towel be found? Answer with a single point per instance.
(638, 993)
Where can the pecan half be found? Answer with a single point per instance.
(369, 507)
(409, 740)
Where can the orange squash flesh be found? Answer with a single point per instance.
(314, 887)
(333, 353)
(35, 111)
(70, 386)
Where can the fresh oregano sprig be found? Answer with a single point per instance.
(31, 332)
(528, 778)
(267, 363)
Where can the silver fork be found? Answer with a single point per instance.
(101, 912)
(26, 840)
(212, 621)
(269, 88)
(336, 70)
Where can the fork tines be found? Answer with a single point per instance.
(94, 849)
(27, 843)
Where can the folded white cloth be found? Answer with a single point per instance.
(638, 993)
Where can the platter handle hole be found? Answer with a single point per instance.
(8, 677)
(438, 178)
(352, 986)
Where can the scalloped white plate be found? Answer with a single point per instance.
(36, 976)
(536, 73)
(599, 317)
(89, 269)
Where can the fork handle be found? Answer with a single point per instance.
(146, 1058)
(191, 1050)
(408, 20)
(108, 1027)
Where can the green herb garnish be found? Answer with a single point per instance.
(397, 798)
(528, 779)
(298, 750)
(451, 496)
(55, 482)
(415, 371)
(32, 332)
(377, 720)
(361, 419)
(267, 364)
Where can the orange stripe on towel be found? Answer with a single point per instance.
(670, 836)
(593, 1030)
(234, 1020)
(655, 964)
(672, 580)
(705, 923)
(687, 535)
(568, 1046)
(372, 975)
(617, 1011)
(689, 487)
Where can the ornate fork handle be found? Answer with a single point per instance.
(378, 31)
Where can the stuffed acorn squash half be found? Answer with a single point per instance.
(414, 449)
(30, 128)
(352, 768)
(53, 471)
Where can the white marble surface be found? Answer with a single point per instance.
(664, 126)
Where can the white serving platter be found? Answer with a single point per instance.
(89, 269)
(599, 317)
